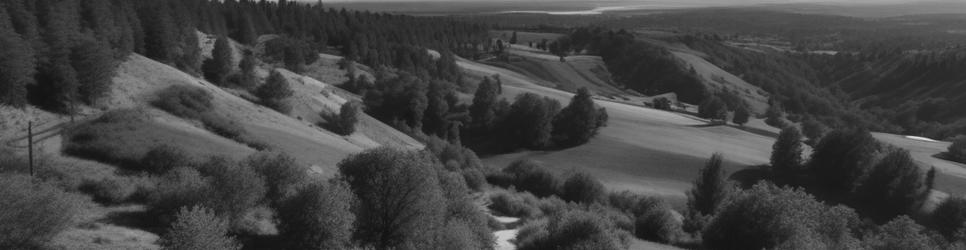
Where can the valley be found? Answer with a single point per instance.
(530, 125)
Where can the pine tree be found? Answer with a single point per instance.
(23, 16)
(190, 59)
(786, 156)
(219, 66)
(246, 33)
(57, 79)
(16, 64)
(160, 32)
(247, 67)
(275, 92)
(124, 44)
(134, 24)
(93, 61)
(96, 15)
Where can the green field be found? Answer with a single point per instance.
(641, 149)
(660, 152)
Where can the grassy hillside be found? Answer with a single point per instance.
(131, 126)
(660, 152)
(646, 150)
(139, 80)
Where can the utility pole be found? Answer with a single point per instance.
(30, 146)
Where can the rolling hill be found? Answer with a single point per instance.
(647, 150)
(137, 83)
(658, 152)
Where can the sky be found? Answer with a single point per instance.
(689, 1)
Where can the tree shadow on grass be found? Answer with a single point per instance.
(136, 218)
(749, 176)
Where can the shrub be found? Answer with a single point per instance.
(583, 188)
(283, 176)
(217, 68)
(345, 122)
(635, 204)
(957, 150)
(180, 187)
(221, 125)
(949, 218)
(574, 229)
(458, 235)
(514, 204)
(275, 93)
(33, 212)
(900, 233)
(184, 101)
(318, 217)
(658, 226)
(199, 228)
(474, 178)
(235, 189)
(769, 217)
(528, 175)
(98, 140)
(163, 158)
(12, 163)
(662, 103)
(111, 190)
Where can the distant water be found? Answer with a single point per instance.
(601, 10)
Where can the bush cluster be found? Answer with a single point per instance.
(33, 212)
(957, 150)
(769, 217)
(343, 123)
(528, 175)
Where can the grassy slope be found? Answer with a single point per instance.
(140, 79)
(137, 82)
(952, 175)
(719, 79)
(642, 149)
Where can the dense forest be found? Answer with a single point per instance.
(67, 49)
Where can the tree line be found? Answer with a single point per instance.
(853, 193)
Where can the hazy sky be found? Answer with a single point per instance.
(717, 2)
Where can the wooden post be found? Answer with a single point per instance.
(30, 146)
